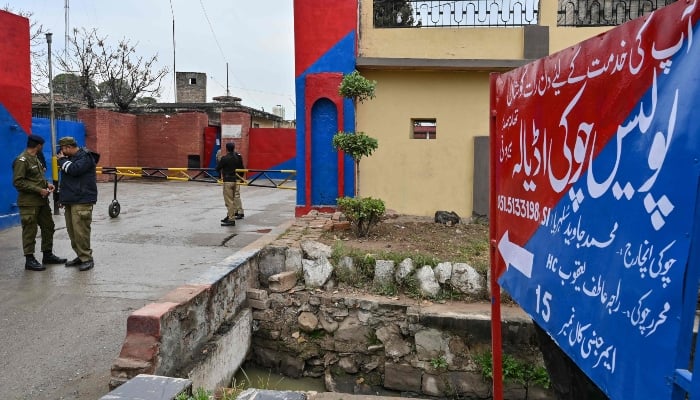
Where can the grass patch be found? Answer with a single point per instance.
(525, 373)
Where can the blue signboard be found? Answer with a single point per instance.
(597, 173)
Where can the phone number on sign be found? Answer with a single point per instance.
(522, 208)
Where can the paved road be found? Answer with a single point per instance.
(61, 329)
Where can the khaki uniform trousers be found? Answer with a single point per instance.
(232, 199)
(33, 218)
(78, 220)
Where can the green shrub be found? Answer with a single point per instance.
(357, 87)
(356, 145)
(363, 213)
(514, 370)
(439, 362)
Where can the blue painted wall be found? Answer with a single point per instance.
(14, 141)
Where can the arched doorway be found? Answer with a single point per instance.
(324, 158)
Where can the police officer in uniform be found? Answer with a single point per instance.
(33, 192)
(78, 194)
(227, 167)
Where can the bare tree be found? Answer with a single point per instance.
(83, 59)
(121, 75)
(128, 75)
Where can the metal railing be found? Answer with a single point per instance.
(455, 14)
(604, 12)
(249, 177)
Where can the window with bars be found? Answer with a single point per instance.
(423, 128)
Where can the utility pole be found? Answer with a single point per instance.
(52, 120)
(174, 70)
(65, 50)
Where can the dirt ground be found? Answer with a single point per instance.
(413, 235)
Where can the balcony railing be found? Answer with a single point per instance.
(455, 14)
(604, 12)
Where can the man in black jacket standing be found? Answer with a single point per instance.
(78, 194)
(227, 167)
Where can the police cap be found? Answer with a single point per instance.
(34, 140)
(67, 141)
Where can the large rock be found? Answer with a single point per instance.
(307, 321)
(427, 283)
(401, 377)
(271, 261)
(351, 336)
(292, 262)
(315, 250)
(394, 345)
(429, 344)
(443, 272)
(383, 273)
(317, 272)
(467, 280)
(404, 269)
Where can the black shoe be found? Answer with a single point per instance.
(74, 262)
(50, 258)
(84, 266)
(240, 216)
(229, 223)
(33, 265)
(226, 219)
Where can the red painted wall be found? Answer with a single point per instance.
(15, 72)
(318, 26)
(270, 147)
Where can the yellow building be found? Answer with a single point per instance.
(436, 79)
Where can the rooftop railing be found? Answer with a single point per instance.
(604, 12)
(455, 14)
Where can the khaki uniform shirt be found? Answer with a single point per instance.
(28, 178)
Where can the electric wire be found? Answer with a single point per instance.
(211, 28)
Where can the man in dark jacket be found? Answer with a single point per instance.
(32, 199)
(227, 167)
(78, 194)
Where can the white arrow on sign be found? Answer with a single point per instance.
(516, 256)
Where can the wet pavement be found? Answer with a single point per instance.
(61, 328)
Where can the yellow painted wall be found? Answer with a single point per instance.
(462, 43)
(419, 176)
(436, 43)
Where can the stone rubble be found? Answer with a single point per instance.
(357, 341)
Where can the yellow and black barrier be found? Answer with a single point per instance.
(249, 177)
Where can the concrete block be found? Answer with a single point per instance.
(261, 394)
(224, 359)
(147, 319)
(140, 347)
(150, 387)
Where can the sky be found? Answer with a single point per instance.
(255, 38)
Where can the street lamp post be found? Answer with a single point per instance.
(54, 163)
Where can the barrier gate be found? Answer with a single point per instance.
(249, 177)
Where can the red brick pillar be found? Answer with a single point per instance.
(233, 122)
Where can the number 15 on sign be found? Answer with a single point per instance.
(544, 299)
